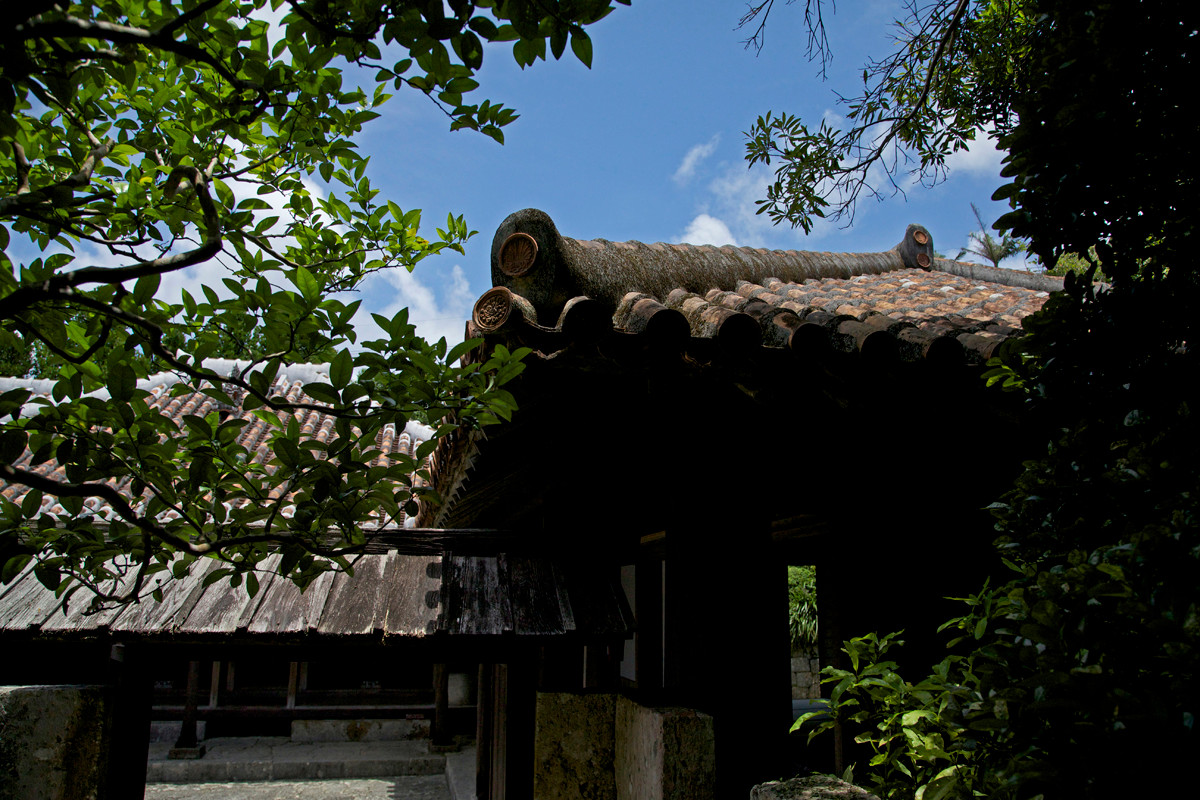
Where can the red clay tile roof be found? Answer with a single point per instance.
(254, 436)
(923, 304)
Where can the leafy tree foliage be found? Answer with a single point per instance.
(1080, 265)
(143, 137)
(956, 71)
(1076, 678)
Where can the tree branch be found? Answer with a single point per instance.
(212, 244)
(75, 28)
(52, 193)
(183, 19)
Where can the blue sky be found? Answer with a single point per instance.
(646, 145)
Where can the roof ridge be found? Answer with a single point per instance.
(534, 261)
(1001, 275)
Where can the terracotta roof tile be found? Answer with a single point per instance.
(254, 436)
(720, 290)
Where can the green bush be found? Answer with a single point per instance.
(802, 607)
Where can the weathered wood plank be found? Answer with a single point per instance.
(411, 602)
(350, 609)
(267, 575)
(435, 541)
(27, 604)
(564, 598)
(219, 609)
(79, 617)
(477, 602)
(179, 597)
(5, 589)
(286, 610)
(533, 596)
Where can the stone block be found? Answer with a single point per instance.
(812, 787)
(663, 753)
(573, 747)
(53, 742)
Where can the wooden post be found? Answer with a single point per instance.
(293, 684)
(521, 712)
(188, 745)
(440, 735)
(484, 731)
(131, 696)
(214, 690)
(649, 637)
(498, 778)
(726, 650)
(829, 645)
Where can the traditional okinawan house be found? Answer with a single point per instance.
(373, 646)
(693, 419)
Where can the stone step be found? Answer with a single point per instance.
(266, 758)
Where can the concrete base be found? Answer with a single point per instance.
(53, 742)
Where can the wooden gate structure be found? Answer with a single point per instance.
(691, 420)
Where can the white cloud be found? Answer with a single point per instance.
(732, 197)
(980, 159)
(705, 229)
(211, 272)
(687, 167)
(433, 316)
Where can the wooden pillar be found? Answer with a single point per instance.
(649, 601)
(829, 647)
(726, 642)
(131, 696)
(293, 684)
(498, 769)
(188, 744)
(520, 712)
(440, 735)
(485, 712)
(214, 691)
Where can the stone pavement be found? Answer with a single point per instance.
(275, 768)
(276, 758)
(406, 787)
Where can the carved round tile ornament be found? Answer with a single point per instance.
(492, 309)
(518, 254)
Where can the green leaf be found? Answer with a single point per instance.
(12, 445)
(581, 46)
(307, 284)
(341, 370)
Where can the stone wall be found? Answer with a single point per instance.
(664, 753)
(573, 747)
(605, 747)
(806, 675)
(53, 742)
